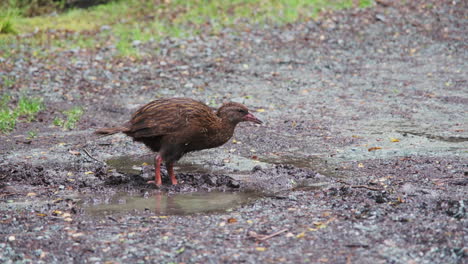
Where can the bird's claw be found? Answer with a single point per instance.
(154, 182)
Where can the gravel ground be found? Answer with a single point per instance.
(362, 157)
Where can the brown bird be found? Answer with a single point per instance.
(175, 126)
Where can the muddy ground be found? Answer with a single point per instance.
(362, 157)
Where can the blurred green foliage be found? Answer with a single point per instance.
(130, 23)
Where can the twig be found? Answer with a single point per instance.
(262, 237)
(89, 155)
(366, 187)
(274, 234)
(361, 186)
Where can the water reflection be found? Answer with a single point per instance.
(168, 204)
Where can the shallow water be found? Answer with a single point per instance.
(168, 204)
(133, 165)
(450, 139)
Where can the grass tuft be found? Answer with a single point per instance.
(72, 116)
(7, 19)
(26, 109)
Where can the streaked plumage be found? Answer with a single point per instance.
(175, 126)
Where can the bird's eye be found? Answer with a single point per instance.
(242, 111)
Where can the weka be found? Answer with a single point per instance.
(175, 126)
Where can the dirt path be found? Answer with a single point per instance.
(362, 157)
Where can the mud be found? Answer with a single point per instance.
(362, 158)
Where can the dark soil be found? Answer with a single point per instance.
(362, 157)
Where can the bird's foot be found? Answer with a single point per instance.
(154, 182)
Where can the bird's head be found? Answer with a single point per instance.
(236, 113)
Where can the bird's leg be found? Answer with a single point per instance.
(170, 170)
(157, 170)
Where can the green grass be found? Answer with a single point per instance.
(72, 116)
(32, 134)
(7, 21)
(133, 21)
(26, 110)
(7, 82)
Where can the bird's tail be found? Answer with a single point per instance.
(106, 131)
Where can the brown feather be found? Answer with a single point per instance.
(175, 126)
(110, 130)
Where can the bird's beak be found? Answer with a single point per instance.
(251, 118)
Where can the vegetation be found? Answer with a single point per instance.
(133, 22)
(72, 116)
(26, 109)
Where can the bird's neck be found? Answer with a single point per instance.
(225, 131)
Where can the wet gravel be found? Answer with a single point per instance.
(362, 158)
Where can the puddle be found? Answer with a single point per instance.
(133, 165)
(314, 163)
(237, 167)
(450, 139)
(311, 187)
(299, 162)
(168, 204)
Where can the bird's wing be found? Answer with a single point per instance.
(166, 116)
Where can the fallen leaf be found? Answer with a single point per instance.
(40, 214)
(261, 249)
(76, 153)
(374, 148)
(261, 110)
(325, 214)
(31, 194)
(360, 165)
(57, 212)
(301, 235)
(66, 215)
(231, 220)
(75, 235)
(394, 140)
(320, 225)
(89, 172)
